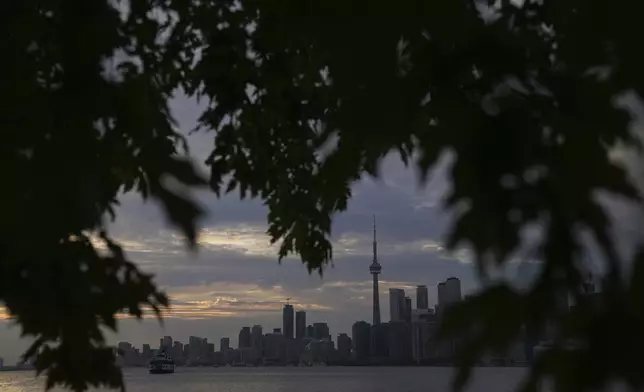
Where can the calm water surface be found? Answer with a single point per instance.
(319, 379)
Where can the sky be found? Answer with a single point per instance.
(235, 279)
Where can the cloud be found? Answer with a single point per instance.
(366, 286)
(234, 279)
(243, 238)
(234, 300)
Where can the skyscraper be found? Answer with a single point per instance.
(344, 347)
(287, 319)
(399, 341)
(177, 349)
(224, 344)
(449, 292)
(256, 339)
(441, 296)
(380, 340)
(422, 297)
(396, 304)
(244, 338)
(300, 324)
(361, 337)
(374, 270)
(166, 343)
(321, 331)
(147, 351)
(453, 290)
(407, 312)
(197, 347)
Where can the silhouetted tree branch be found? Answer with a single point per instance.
(524, 97)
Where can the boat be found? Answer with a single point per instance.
(161, 363)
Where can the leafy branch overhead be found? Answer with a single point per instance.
(303, 98)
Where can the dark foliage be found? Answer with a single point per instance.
(523, 97)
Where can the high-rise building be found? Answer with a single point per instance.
(300, 324)
(361, 337)
(399, 334)
(224, 344)
(449, 292)
(453, 290)
(209, 352)
(177, 349)
(321, 331)
(166, 343)
(244, 338)
(146, 351)
(423, 328)
(441, 296)
(287, 321)
(380, 341)
(274, 347)
(344, 347)
(197, 347)
(396, 304)
(256, 339)
(309, 331)
(374, 270)
(422, 297)
(407, 313)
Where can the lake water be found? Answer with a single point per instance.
(317, 379)
(280, 379)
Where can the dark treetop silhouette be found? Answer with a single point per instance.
(523, 97)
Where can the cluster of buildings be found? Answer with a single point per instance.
(294, 344)
(409, 337)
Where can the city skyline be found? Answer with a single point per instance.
(289, 313)
(234, 278)
(406, 337)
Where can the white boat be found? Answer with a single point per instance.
(161, 363)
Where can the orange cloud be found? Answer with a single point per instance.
(229, 300)
(222, 300)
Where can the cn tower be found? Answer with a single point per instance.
(375, 269)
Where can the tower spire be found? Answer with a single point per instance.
(374, 270)
(375, 242)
